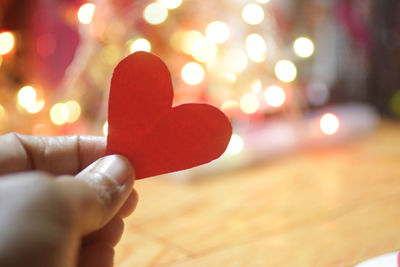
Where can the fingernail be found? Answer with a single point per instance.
(116, 167)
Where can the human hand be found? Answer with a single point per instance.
(57, 208)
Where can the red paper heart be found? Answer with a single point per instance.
(156, 137)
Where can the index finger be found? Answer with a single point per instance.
(57, 155)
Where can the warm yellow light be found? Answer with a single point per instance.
(256, 86)
(235, 60)
(275, 96)
(74, 111)
(2, 112)
(105, 128)
(204, 50)
(188, 39)
(303, 47)
(1, 60)
(155, 13)
(218, 32)
(229, 104)
(249, 103)
(235, 145)
(35, 107)
(262, 1)
(59, 114)
(329, 124)
(140, 44)
(86, 12)
(227, 77)
(27, 96)
(170, 4)
(7, 42)
(256, 47)
(253, 14)
(192, 73)
(286, 71)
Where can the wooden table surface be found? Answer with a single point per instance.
(335, 206)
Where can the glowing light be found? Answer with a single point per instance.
(192, 73)
(2, 112)
(329, 124)
(74, 111)
(35, 107)
(170, 4)
(229, 104)
(204, 50)
(256, 47)
(218, 32)
(27, 96)
(227, 77)
(188, 39)
(256, 86)
(262, 1)
(86, 13)
(235, 60)
(155, 13)
(59, 114)
(235, 145)
(105, 128)
(249, 103)
(303, 47)
(140, 44)
(286, 71)
(253, 14)
(7, 42)
(275, 96)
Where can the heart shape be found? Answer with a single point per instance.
(156, 137)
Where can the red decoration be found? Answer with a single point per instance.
(156, 137)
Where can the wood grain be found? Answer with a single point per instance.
(328, 207)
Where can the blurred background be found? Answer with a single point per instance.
(290, 74)
(287, 73)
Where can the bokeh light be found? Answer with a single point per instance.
(253, 14)
(170, 4)
(218, 32)
(59, 114)
(229, 104)
(329, 124)
(274, 96)
(249, 103)
(256, 47)
(86, 13)
(192, 73)
(285, 71)
(303, 47)
(188, 40)
(2, 113)
(263, 1)
(105, 128)
(155, 13)
(26, 96)
(203, 50)
(74, 110)
(140, 44)
(35, 107)
(235, 145)
(7, 42)
(235, 60)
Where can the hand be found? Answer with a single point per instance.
(57, 208)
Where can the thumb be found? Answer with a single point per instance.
(103, 188)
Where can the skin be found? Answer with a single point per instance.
(61, 201)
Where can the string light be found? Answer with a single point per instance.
(86, 13)
(192, 73)
(303, 47)
(285, 71)
(256, 47)
(235, 145)
(74, 111)
(7, 42)
(253, 14)
(140, 44)
(170, 4)
(59, 114)
(275, 96)
(218, 32)
(329, 124)
(155, 13)
(203, 50)
(105, 128)
(249, 103)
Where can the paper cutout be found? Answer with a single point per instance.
(156, 137)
